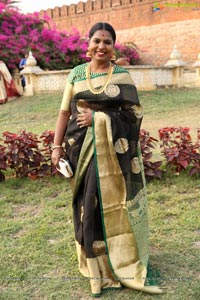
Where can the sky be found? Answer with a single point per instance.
(37, 5)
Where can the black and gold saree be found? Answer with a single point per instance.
(109, 197)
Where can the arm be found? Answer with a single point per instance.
(61, 125)
(22, 63)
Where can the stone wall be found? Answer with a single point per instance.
(154, 31)
(156, 42)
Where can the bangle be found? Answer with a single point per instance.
(56, 146)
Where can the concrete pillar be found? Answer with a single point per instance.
(175, 61)
(196, 65)
(30, 70)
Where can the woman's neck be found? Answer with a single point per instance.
(99, 67)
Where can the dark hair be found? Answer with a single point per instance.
(103, 26)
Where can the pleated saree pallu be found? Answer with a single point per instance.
(109, 197)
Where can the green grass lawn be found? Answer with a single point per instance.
(168, 107)
(34, 114)
(173, 107)
(37, 250)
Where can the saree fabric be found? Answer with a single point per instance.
(7, 85)
(108, 186)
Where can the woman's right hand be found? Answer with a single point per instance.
(57, 153)
(84, 119)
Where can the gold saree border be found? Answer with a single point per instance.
(121, 244)
(87, 151)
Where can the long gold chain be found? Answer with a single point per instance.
(102, 89)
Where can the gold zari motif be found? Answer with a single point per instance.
(135, 166)
(112, 90)
(121, 145)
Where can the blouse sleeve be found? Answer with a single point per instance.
(67, 96)
(68, 92)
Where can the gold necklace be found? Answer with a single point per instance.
(102, 89)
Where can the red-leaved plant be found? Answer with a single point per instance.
(22, 153)
(3, 162)
(47, 138)
(196, 156)
(178, 149)
(148, 143)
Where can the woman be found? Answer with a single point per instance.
(7, 85)
(100, 119)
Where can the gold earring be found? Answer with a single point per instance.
(88, 53)
(113, 57)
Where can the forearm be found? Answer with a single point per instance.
(61, 127)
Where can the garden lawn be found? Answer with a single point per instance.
(37, 250)
(35, 114)
(165, 107)
(171, 107)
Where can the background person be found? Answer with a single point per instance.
(7, 84)
(99, 120)
(22, 65)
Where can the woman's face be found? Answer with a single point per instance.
(101, 45)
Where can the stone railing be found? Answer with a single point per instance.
(174, 74)
(43, 82)
(144, 77)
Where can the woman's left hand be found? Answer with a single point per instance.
(84, 119)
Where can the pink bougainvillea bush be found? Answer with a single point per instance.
(127, 51)
(53, 49)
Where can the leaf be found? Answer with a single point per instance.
(184, 163)
(193, 171)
